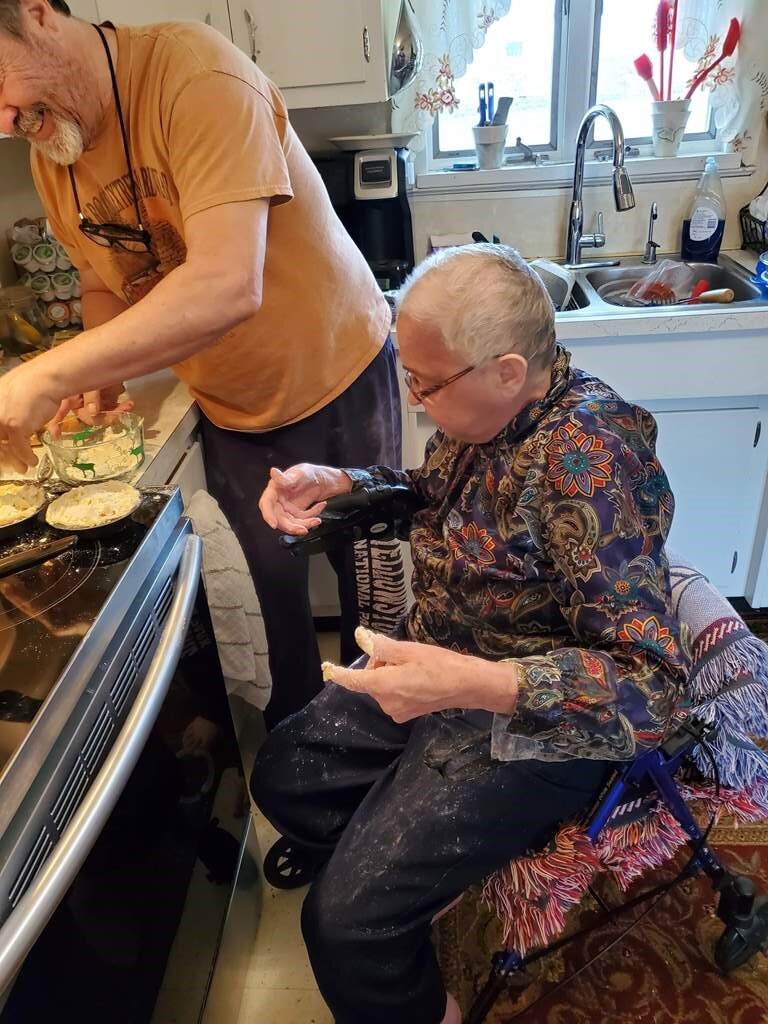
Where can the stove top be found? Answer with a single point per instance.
(46, 609)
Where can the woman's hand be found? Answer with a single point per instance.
(293, 500)
(409, 679)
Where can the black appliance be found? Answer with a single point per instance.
(129, 887)
(368, 190)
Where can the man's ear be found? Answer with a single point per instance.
(36, 12)
(513, 371)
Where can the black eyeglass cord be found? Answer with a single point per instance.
(123, 132)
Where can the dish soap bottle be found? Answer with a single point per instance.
(703, 228)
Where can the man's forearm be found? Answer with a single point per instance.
(186, 312)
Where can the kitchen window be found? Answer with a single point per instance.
(557, 59)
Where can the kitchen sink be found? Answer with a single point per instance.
(613, 283)
(579, 298)
(603, 290)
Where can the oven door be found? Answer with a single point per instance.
(128, 886)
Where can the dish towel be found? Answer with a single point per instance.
(238, 625)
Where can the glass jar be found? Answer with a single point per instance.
(23, 326)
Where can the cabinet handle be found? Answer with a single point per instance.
(735, 561)
(758, 432)
(366, 44)
(251, 25)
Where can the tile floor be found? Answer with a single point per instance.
(280, 987)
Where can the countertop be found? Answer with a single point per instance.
(170, 416)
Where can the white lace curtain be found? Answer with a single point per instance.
(451, 31)
(739, 85)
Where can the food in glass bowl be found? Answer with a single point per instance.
(84, 454)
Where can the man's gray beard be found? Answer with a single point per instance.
(65, 145)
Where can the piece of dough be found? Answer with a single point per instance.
(84, 508)
(364, 638)
(19, 500)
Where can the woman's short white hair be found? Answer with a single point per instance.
(485, 300)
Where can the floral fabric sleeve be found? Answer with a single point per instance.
(604, 510)
(385, 475)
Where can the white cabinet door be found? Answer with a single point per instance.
(717, 474)
(85, 9)
(189, 475)
(144, 12)
(319, 53)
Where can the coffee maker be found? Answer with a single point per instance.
(368, 192)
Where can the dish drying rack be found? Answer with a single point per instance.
(754, 232)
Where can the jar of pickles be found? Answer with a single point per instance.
(23, 327)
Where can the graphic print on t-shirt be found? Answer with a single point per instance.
(140, 272)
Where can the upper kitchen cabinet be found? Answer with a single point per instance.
(144, 12)
(320, 54)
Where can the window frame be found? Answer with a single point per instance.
(558, 69)
(573, 94)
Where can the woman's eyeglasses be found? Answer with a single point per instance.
(419, 393)
(121, 236)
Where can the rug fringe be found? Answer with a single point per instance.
(627, 861)
(532, 895)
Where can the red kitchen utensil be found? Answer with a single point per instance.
(644, 68)
(672, 41)
(662, 36)
(698, 289)
(730, 43)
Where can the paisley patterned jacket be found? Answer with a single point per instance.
(546, 545)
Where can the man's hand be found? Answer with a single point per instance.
(27, 399)
(94, 408)
(293, 500)
(408, 679)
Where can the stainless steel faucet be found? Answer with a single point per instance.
(622, 191)
(650, 246)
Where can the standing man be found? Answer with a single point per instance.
(206, 242)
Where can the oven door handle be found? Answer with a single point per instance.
(34, 909)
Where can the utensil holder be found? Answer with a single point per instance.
(490, 140)
(670, 118)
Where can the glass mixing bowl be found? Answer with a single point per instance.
(87, 454)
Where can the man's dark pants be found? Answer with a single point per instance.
(361, 427)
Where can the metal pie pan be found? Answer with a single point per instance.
(106, 529)
(12, 530)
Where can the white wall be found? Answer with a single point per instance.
(535, 222)
(17, 197)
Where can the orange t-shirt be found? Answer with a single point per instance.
(205, 128)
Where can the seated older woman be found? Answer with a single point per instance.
(539, 649)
